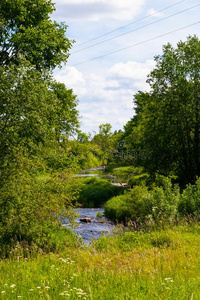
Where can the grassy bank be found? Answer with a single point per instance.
(131, 265)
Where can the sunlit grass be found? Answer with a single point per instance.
(131, 265)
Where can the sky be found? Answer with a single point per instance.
(115, 45)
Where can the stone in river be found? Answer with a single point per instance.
(86, 220)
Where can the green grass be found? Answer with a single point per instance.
(129, 265)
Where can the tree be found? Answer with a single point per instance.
(27, 30)
(104, 140)
(35, 112)
(27, 108)
(67, 113)
(168, 117)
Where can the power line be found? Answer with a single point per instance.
(136, 29)
(134, 45)
(150, 15)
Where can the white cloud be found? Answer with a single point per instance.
(133, 74)
(72, 78)
(132, 70)
(106, 97)
(97, 9)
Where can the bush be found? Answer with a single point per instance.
(30, 209)
(129, 206)
(95, 192)
(189, 203)
(141, 179)
(157, 205)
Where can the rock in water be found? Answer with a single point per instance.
(86, 220)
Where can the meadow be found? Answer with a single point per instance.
(160, 264)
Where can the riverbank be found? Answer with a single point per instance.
(133, 265)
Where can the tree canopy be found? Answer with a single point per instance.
(36, 115)
(166, 124)
(27, 30)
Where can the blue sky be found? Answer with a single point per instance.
(105, 86)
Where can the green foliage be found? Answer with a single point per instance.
(158, 205)
(27, 30)
(104, 140)
(26, 109)
(30, 207)
(166, 124)
(141, 179)
(95, 192)
(189, 203)
(99, 215)
(36, 115)
(130, 206)
(66, 111)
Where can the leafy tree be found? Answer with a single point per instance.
(27, 30)
(167, 118)
(82, 137)
(27, 108)
(67, 113)
(35, 113)
(103, 139)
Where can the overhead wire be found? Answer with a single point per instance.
(135, 29)
(137, 44)
(134, 22)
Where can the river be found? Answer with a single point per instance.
(94, 229)
(97, 226)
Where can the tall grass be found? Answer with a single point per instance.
(130, 265)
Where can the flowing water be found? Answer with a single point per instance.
(97, 226)
(94, 229)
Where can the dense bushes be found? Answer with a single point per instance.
(159, 205)
(189, 203)
(95, 192)
(30, 208)
(129, 206)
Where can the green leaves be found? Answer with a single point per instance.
(27, 30)
(166, 124)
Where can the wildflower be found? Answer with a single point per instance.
(62, 259)
(64, 294)
(19, 296)
(47, 287)
(5, 284)
(31, 290)
(3, 292)
(38, 287)
(13, 286)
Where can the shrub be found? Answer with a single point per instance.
(141, 179)
(95, 192)
(30, 209)
(158, 205)
(163, 202)
(129, 206)
(189, 203)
